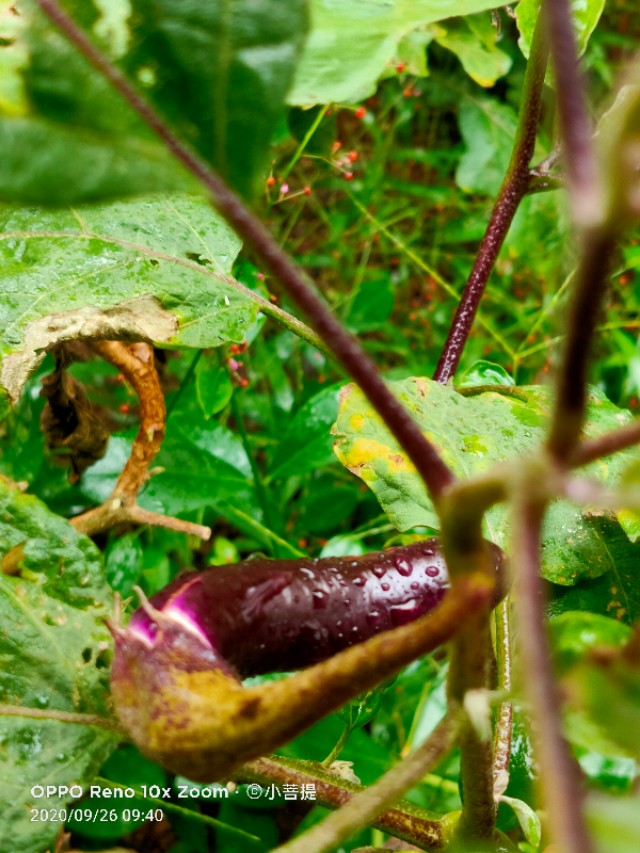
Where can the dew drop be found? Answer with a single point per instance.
(403, 566)
(415, 585)
(359, 581)
(379, 571)
(319, 599)
(385, 587)
(432, 571)
(403, 613)
(375, 619)
(307, 573)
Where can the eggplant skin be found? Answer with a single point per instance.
(283, 615)
(176, 674)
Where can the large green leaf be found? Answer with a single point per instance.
(154, 268)
(586, 14)
(52, 656)
(351, 43)
(617, 592)
(472, 432)
(218, 72)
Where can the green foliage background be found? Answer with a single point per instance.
(371, 137)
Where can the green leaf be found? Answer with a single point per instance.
(52, 656)
(471, 433)
(528, 820)
(574, 633)
(336, 67)
(586, 14)
(372, 304)
(306, 444)
(202, 465)
(363, 709)
(474, 40)
(488, 129)
(484, 373)
(213, 385)
(616, 593)
(328, 506)
(217, 72)
(124, 562)
(607, 688)
(154, 268)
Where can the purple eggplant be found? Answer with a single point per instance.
(282, 615)
(177, 666)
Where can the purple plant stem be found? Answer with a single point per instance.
(575, 126)
(590, 286)
(346, 350)
(605, 445)
(598, 237)
(561, 788)
(513, 189)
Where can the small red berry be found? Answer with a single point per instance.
(400, 67)
(360, 112)
(336, 146)
(243, 382)
(234, 349)
(348, 176)
(307, 190)
(125, 408)
(353, 156)
(271, 181)
(260, 276)
(120, 377)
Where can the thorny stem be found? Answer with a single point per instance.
(366, 806)
(346, 350)
(575, 127)
(136, 363)
(513, 189)
(470, 665)
(561, 790)
(402, 820)
(504, 722)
